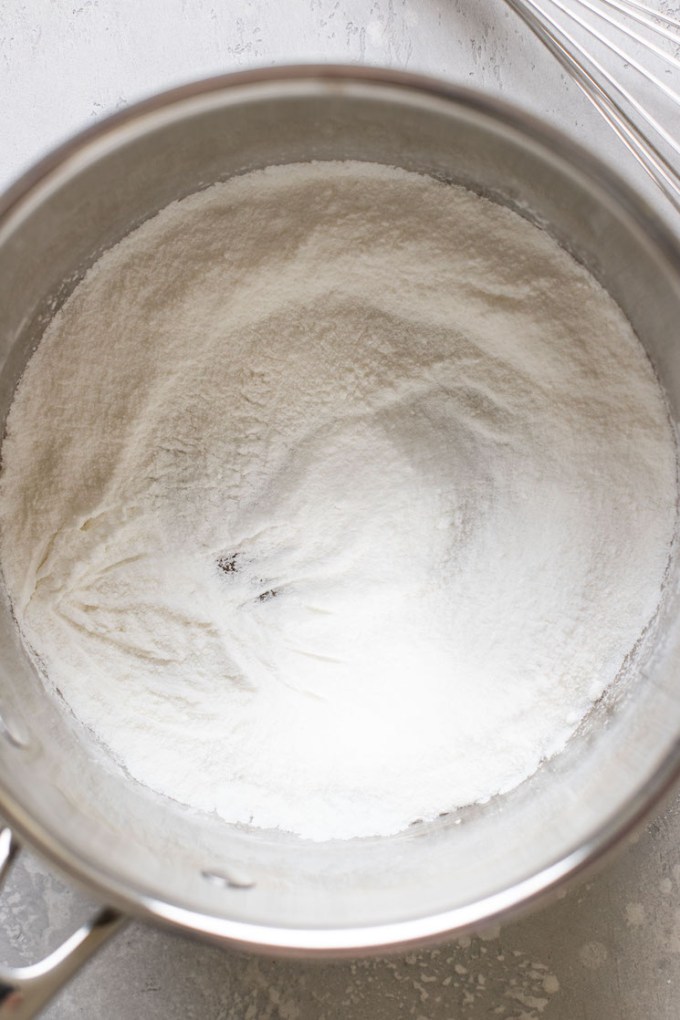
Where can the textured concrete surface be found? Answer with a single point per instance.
(607, 951)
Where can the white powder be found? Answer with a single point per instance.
(333, 497)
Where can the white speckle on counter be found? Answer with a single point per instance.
(635, 915)
(551, 984)
(593, 955)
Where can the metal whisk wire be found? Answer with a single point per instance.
(617, 104)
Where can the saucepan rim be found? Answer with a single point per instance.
(110, 132)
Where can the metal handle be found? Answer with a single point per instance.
(25, 990)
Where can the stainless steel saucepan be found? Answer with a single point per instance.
(147, 856)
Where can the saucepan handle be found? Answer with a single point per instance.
(25, 990)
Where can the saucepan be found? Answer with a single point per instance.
(144, 855)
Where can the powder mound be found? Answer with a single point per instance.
(333, 497)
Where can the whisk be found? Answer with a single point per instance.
(619, 26)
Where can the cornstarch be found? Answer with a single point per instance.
(333, 497)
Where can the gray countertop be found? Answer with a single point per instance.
(608, 950)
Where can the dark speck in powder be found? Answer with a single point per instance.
(228, 564)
